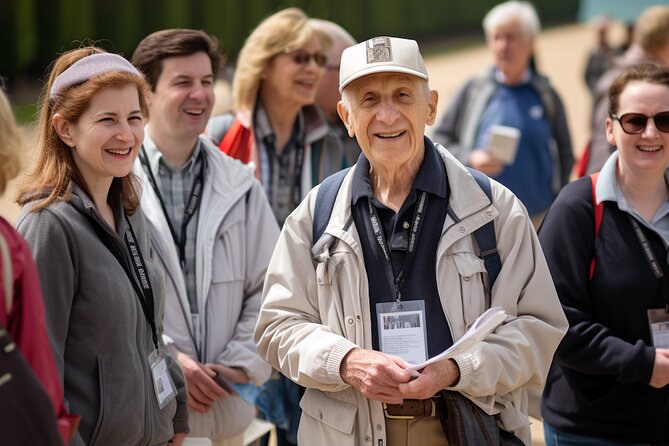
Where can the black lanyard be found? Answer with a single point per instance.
(145, 292)
(192, 205)
(299, 164)
(416, 226)
(652, 260)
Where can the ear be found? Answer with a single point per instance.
(63, 128)
(610, 137)
(432, 102)
(345, 117)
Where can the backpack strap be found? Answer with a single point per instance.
(7, 276)
(485, 235)
(599, 213)
(325, 198)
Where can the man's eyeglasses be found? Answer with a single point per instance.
(302, 57)
(635, 123)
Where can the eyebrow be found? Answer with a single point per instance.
(179, 77)
(109, 114)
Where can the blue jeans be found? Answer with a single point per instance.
(556, 437)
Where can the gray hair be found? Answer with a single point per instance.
(510, 11)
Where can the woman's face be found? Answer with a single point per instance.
(292, 78)
(105, 140)
(646, 152)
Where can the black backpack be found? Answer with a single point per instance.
(485, 235)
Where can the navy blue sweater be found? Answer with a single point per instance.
(598, 382)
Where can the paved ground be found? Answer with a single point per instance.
(561, 54)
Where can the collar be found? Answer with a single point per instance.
(608, 189)
(263, 128)
(156, 158)
(501, 79)
(431, 177)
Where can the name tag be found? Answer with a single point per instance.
(162, 381)
(658, 319)
(402, 331)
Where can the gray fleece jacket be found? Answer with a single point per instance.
(99, 334)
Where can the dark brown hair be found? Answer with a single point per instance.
(55, 168)
(155, 47)
(645, 72)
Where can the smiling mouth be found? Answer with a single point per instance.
(196, 112)
(389, 135)
(649, 149)
(119, 151)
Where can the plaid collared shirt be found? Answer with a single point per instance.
(175, 185)
(278, 171)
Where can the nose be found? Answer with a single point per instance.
(125, 133)
(198, 92)
(651, 130)
(387, 113)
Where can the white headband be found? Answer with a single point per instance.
(93, 65)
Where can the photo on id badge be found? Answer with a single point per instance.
(402, 331)
(658, 319)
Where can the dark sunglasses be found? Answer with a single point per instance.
(635, 123)
(302, 57)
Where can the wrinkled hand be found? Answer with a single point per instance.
(177, 439)
(482, 160)
(660, 376)
(433, 378)
(374, 374)
(202, 389)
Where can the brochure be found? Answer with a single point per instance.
(481, 327)
(503, 143)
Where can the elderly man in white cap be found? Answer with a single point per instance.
(401, 241)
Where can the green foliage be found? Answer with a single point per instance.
(25, 113)
(33, 35)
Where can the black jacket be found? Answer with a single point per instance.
(598, 383)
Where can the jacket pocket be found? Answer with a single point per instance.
(470, 269)
(326, 420)
(101, 408)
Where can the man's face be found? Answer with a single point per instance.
(180, 106)
(387, 113)
(511, 48)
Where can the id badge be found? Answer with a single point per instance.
(658, 319)
(162, 381)
(402, 331)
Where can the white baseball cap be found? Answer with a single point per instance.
(381, 55)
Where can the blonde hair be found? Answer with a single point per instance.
(10, 142)
(55, 169)
(287, 29)
(651, 29)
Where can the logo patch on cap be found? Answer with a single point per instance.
(379, 50)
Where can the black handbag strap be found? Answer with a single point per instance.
(464, 423)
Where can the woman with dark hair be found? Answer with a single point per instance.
(605, 239)
(103, 289)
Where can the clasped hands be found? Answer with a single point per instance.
(203, 390)
(384, 378)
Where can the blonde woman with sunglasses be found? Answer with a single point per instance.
(605, 240)
(276, 125)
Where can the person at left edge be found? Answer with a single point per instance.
(103, 288)
(213, 229)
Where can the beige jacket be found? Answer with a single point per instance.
(314, 312)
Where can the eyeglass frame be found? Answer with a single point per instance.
(618, 118)
(294, 53)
